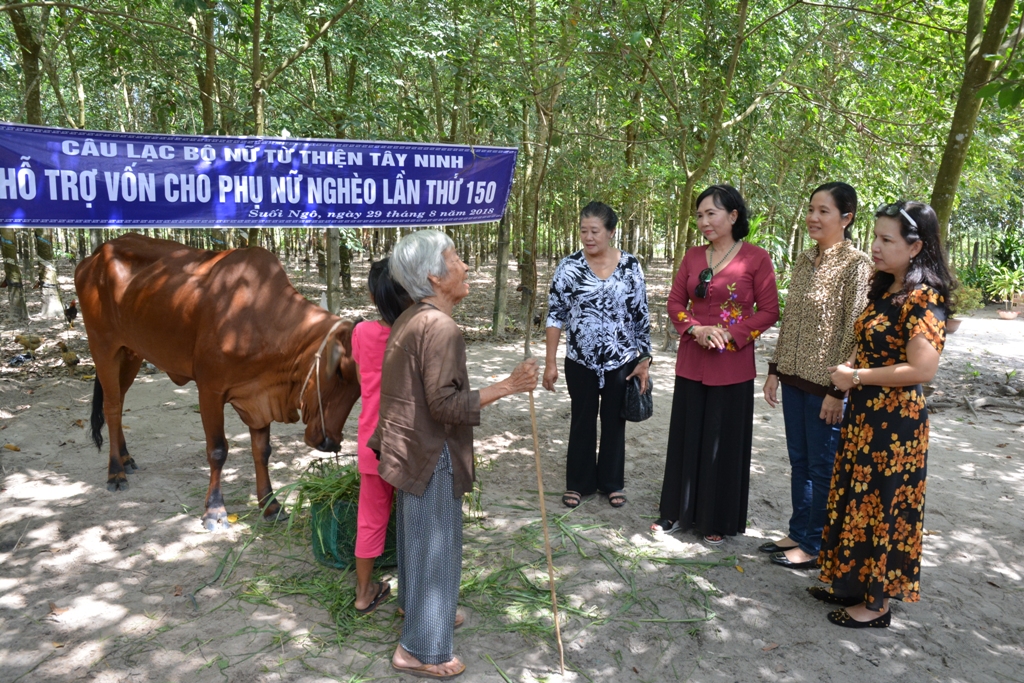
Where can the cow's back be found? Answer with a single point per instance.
(225, 319)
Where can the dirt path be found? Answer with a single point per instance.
(102, 587)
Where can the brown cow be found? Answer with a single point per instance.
(232, 322)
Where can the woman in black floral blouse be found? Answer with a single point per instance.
(871, 544)
(599, 297)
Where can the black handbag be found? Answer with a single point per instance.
(637, 407)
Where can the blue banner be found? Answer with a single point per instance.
(76, 178)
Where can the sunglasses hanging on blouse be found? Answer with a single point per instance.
(704, 276)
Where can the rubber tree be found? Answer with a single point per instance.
(984, 39)
(50, 290)
(12, 270)
(333, 266)
(30, 30)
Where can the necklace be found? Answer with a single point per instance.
(712, 255)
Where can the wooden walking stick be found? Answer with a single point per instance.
(543, 508)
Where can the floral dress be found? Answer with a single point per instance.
(871, 543)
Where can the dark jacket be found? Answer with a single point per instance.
(425, 400)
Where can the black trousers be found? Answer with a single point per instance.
(707, 467)
(582, 473)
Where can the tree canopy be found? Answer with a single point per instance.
(641, 103)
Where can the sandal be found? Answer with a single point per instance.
(617, 499)
(665, 526)
(714, 539)
(571, 499)
(428, 671)
(383, 591)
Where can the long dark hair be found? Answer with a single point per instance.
(845, 198)
(729, 198)
(389, 297)
(928, 267)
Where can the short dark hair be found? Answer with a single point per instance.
(845, 198)
(602, 211)
(389, 297)
(729, 198)
(928, 267)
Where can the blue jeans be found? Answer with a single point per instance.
(812, 446)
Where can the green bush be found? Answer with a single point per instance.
(969, 299)
(1010, 252)
(1006, 282)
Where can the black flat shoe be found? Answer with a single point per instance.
(783, 561)
(773, 547)
(842, 618)
(825, 595)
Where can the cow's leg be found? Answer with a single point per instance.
(108, 371)
(264, 491)
(129, 369)
(211, 409)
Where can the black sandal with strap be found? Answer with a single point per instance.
(571, 499)
(617, 499)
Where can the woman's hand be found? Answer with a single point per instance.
(842, 376)
(642, 372)
(771, 387)
(711, 337)
(831, 410)
(524, 377)
(550, 376)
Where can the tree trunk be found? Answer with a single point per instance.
(501, 278)
(257, 73)
(345, 256)
(333, 266)
(50, 292)
(12, 271)
(977, 71)
(207, 88)
(73, 65)
(30, 41)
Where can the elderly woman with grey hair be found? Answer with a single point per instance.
(425, 440)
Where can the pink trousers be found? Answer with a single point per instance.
(375, 500)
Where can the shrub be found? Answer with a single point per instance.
(969, 299)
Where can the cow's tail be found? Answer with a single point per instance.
(97, 420)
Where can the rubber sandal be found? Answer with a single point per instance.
(571, 499)
(617, 499)
(714, 539)
(423, 671)
(383, 591)
(665, 526)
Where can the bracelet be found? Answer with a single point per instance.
(689, 329)
(644, 357)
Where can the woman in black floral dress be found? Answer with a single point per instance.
(871, 544)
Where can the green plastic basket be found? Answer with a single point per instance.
(334, 536)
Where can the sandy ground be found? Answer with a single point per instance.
(105, 587)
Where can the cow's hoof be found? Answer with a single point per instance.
(216, 522)
(130, 466)
(117, 484)
(275, 517)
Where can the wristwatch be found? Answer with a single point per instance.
(856, 378)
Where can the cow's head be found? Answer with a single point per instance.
(339, 390)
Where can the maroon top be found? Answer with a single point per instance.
(747, 280)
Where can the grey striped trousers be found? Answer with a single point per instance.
(429, 540)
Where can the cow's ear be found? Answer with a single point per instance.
(334, 359)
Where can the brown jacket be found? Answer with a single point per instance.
(817, 325)
(425, 400)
